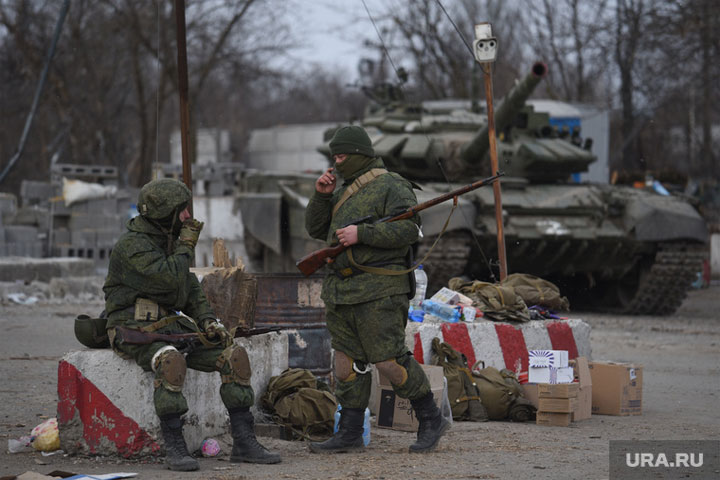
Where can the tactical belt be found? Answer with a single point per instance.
(352, 271)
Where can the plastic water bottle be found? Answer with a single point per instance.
(448, 313)
(416, 314)
(366, 425)
(421, 282)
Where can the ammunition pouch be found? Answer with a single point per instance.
(147, 311)
(91, 331)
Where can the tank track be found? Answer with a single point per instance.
(448, 259)
(663, 286)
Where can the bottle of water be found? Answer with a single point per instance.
(447, 313)
(366, 424)
(421, 282)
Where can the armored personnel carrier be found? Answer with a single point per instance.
(607, 247)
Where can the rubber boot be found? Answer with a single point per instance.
(176, 454)
(246, 448)
(432, 424)
(349, 434)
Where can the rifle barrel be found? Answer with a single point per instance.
(312, 262)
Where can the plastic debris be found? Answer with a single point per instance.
(210, 447)
(20, 445)
(22, 299)
(45, 436)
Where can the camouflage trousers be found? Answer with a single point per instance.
(168, 402)
(373, 332)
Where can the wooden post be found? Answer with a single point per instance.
(494, 165)
(183, 92)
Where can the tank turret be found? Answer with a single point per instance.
(475, 150)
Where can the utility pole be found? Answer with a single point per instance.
(183, 91)
(485, 49)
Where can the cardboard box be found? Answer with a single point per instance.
(551, 375)
(397, 413)
(445, 295)
(551, 419)
(548, 358)
(584, 396)
(557, 405)
(562, 390)
(617, 388)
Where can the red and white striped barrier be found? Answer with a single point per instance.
(501, 345)
(105, 403)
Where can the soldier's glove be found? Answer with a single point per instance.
(190, 232)
(217, 332)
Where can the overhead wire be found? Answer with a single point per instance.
(468, 222)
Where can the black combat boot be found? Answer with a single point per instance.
(176, 453)
(432, 424)
(348, 436)
(246, 448)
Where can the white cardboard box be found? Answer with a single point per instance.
(445, 295)
(551, 375)
(548, 358)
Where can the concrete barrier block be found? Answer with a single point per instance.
(61, 235)
(94, 222)
(43, 269)
(33, 192)
(21, 234)
(8, 207)
(83, 238)
(106, 407)
(500, 345)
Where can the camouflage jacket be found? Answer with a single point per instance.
(141, 267)
(382, 243)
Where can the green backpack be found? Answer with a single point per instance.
(502, 394)
(463, 393)
(302, 404)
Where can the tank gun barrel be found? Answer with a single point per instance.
(514, 101)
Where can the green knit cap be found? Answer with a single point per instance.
(351, 139)
(161, 198)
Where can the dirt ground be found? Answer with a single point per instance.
(680, 354)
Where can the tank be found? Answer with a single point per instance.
(608, 247)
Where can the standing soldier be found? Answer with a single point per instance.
(366, 299)
(148, 284)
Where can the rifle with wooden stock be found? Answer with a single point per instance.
(312, 262)
(134, 336)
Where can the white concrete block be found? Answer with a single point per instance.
(108, 409)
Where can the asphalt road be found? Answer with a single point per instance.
(680, 354)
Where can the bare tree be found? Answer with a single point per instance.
(434, 40)
(570, 35)
(114, 77)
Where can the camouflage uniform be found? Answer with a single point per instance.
(151, 261)
(142, 267)
(366, 313)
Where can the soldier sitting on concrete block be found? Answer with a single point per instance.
(149, 284)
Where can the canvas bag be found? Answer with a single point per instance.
(536, 291)
(497, 302)
(301, 404)
(463, 394)
(502, 394)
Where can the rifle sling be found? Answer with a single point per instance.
(359, 183)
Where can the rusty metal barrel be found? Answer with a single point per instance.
(292, 301)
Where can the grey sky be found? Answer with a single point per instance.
(333, 32)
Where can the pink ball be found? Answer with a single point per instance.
(210, 447)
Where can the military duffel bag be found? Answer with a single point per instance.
(501, 393)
